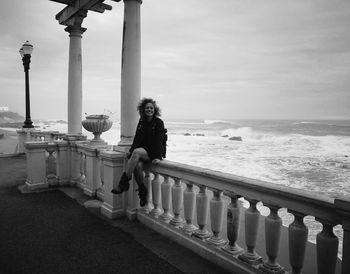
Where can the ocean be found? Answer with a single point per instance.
(313, 154)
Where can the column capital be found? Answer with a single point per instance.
(140, 1)
(75, 30)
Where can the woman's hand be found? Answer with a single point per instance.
(155, 161)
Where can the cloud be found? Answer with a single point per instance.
(241, 58)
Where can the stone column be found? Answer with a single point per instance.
(75, 91)
(130, 73)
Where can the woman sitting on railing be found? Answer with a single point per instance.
(148, 146)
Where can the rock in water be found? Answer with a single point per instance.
(236, 138)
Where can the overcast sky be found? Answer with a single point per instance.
(205, 59)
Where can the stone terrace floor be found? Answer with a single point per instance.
(53, 232)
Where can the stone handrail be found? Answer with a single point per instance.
(278, 195)
(300, 203)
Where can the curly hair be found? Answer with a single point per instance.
(142, 105)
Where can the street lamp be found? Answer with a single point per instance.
(26, 51)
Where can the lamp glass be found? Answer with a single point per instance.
(27, 48)
(21, 52)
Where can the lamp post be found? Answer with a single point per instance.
(26, 51)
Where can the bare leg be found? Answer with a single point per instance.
(134, 165)
(138, 173)
(139, 154)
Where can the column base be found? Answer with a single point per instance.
(166, 217)
(250, 258)
(146, 209)
(177, 221)
(189, 228)
(272, 269)
(217, 241)
(233, 249)
(156, 212)
(202, 234)
(124, 144)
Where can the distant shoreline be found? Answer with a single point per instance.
(12, 125)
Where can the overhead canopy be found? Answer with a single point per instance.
(76, 7)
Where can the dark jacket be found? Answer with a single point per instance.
(149, 135)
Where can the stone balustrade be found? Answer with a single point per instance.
(33, 135)
(53, 158)
(202, 209)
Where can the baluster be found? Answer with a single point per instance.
(202, 202)
(156, 192)
(217, 217)
(273, 225)
(148, 183)
(233, 219)
(252, 216)
(189, 205)
(177, 199)
(166, 200)
(297, 243)
(51, 165)
(327, 249)
(83, 169)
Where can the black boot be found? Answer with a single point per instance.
(142, 194)
(123, 185)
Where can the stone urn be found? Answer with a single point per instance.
(97, 124)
